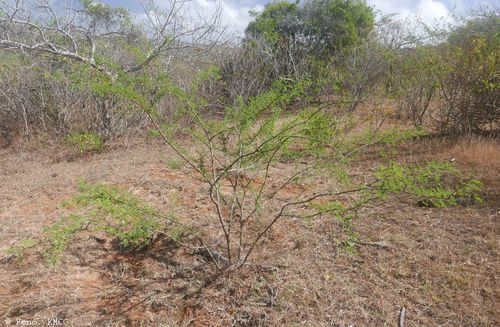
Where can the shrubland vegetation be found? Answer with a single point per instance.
(230, 110)
(287, 91)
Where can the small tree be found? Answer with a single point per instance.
(235, 157)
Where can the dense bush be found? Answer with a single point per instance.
(450, 80)
(299, 40)
(470, 85)
(314, 28)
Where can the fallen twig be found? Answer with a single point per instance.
(402, 317)
(381, 244)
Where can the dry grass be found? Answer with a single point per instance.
(475, 155)
(479, 153)
(442, 265)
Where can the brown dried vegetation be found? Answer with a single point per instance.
(440, 264)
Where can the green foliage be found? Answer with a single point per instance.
(19, 250)
(335, 207)
(351, 244)
(101, 208)
(318, 136)
(353, 144)
(275, 22)
(120, 214)
(437, 184)
(320, 132)
(398, 135)
(345, 217)
(174, 164)
(58, 235)
(323, 136)
(340, 174)
(321, 27)
(106, 14)
(84, 142)
(337, 24)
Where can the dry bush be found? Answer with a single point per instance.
(33, 102)
(245, 72)
(79, 43)
(45, 101)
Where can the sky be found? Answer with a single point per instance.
(236, 12)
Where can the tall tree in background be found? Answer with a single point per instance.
(313, 27)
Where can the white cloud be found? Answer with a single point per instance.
(392, 7)
(432, 11)
(429, 11)
(234, 16)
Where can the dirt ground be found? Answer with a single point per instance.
(441, 265)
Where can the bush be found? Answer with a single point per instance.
(470, 86)
(297, 40)
(100, 209)
(121, 215)
(453, 84)
(314, 28)
(415, 81)
(436, 184)
(85, 142)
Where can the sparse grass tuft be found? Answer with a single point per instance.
(19, 250)
(173, 164)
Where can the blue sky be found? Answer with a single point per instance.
(235, 13)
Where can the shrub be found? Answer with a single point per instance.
(58, 235)
(101, 208)
(119, 214)
(415, 81)
(470, 86)
(453, 84)
(235, 156)
(436, 184)
(85, 142)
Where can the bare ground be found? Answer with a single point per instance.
(441, 265)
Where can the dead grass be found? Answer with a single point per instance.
(480, 153)
(475, 155)
(442, 265)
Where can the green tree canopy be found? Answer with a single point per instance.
(317, 27)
